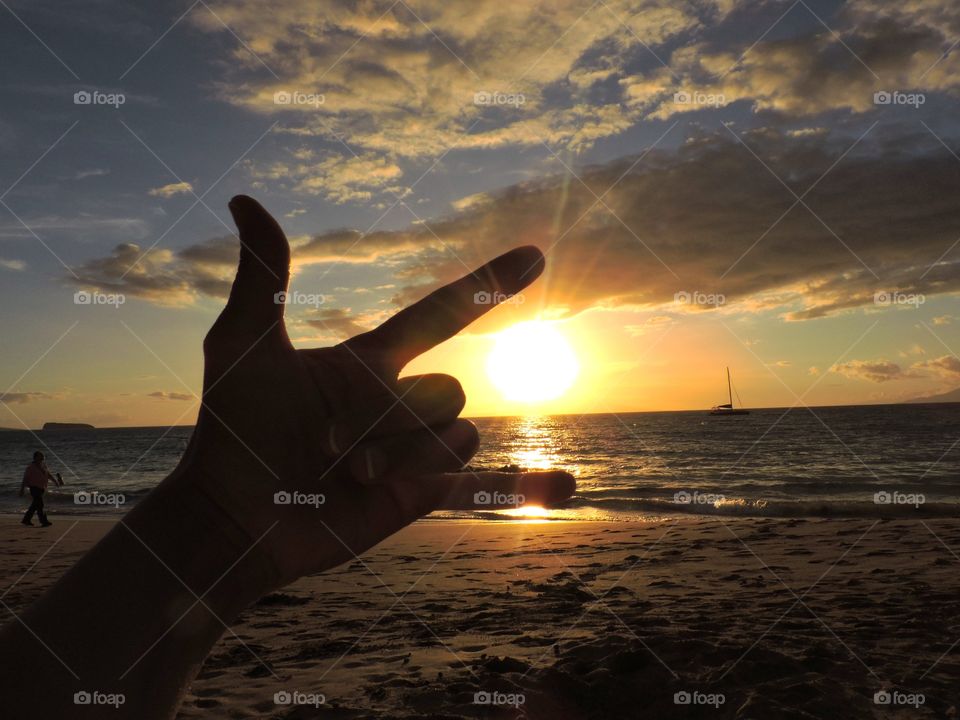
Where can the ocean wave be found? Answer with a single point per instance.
(603, 509)
(743, 507)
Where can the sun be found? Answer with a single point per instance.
(532, 362)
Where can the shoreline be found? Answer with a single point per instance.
(649, 511)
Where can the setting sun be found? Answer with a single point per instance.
(532, 362)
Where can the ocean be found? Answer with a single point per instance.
(859, 461)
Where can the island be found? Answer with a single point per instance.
(67, 426)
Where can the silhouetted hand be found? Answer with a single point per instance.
(320, 454)
(279, 430)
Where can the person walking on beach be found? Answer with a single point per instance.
(36, 477)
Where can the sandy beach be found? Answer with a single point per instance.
(746, 618)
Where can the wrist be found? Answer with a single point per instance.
(199, 542)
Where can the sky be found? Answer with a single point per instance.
(772, 186)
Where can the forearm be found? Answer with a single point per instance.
(126, 619)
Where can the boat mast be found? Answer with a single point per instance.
(729, 391)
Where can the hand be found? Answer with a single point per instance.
(337, 421)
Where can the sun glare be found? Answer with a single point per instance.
(532, 362)
(529, 513)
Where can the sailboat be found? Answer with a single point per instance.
(728, 408)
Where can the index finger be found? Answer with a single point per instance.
(445, 312)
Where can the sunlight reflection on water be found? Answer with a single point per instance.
(769, 463)
(533, 444)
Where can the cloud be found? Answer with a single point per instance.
(656, 321)
(168, 191)
(81, 225)
(706, 217)
(162, 276)
(17, 265)
(336, 323)
(874, 370)
(401, 79)
(869, 47)
(162, 395)
(947, 366)
(337, 178)
(22, 398)
(800, 76)
(92, 172)
(710, 218)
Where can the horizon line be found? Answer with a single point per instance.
(917, 401)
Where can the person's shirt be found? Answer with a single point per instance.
(36, 476)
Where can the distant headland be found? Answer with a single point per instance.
(66, 426)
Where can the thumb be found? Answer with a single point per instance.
(264, 270)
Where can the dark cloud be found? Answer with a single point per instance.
(337, 323)
(22, 398)
(709, 218)
(875, 370)
(807, 74)
(163, 276)
(378, 66)
(163, 395)
(948, 366)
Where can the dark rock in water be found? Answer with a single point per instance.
(67, 426)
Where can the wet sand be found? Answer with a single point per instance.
(745, 618)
